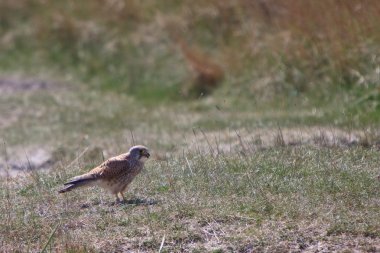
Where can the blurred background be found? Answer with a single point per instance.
(261, 116)
(257, 49)
(74, 73)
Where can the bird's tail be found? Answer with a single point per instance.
(79, 181)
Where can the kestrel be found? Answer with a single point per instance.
(115, 174)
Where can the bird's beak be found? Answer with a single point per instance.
(147, 154)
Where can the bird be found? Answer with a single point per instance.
(114, 174)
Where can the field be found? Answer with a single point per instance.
(261, 117)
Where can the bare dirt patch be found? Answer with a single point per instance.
(18, 161)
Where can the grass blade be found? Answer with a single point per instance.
(50, 238)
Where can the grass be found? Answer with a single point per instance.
(281, 155)
(279, 196)
(222, 179)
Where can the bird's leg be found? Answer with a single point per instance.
(122, 195)
(117, 198)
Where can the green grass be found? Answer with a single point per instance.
(275, 179)
(284, 178)
(210, 203)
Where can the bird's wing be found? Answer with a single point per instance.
(111, 168)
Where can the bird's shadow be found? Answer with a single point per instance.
(135, 202)
(138, 202)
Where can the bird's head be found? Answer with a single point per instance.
(139, 152)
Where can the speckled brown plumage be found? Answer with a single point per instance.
(115, 174)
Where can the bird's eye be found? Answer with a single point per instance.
(141, 151)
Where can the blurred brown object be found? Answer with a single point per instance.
(208, 74)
